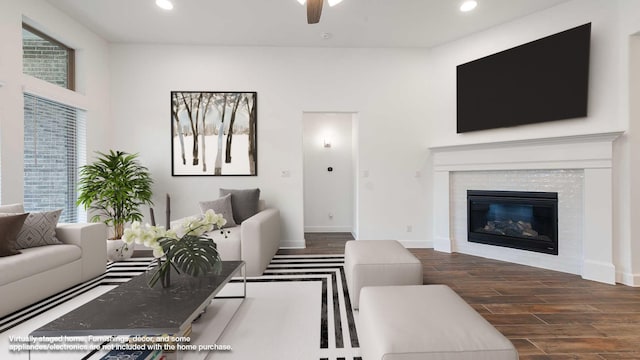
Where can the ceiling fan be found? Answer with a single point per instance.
(314, 9)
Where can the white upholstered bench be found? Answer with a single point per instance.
(426, 322)
(378, 263)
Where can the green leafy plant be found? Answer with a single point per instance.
(194, 255)
(115, 185)
(186, 249)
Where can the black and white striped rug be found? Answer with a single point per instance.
(312, 275)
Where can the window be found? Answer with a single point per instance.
(54, 149)
(47, 59)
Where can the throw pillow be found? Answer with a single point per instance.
(10, 225)
(39, 229)
(12, 208)
(244, 203)
(220, 206)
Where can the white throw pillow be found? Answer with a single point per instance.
(220, 206)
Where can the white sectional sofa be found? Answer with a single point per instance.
(43, 271)
(256, 240)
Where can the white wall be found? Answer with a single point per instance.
(405, 100)
(92, 83)
(386, 88)
(355, 148)
(612, 23)
(328, 195)
(633, 256)
(604, 81)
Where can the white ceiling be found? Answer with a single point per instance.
(352, 23)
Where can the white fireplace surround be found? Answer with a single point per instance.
(591, 153)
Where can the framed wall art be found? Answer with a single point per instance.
(214, 133)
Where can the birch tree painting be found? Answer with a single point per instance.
(214, 133)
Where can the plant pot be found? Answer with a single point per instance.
(118, 250)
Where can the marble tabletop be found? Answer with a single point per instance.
(134, 308)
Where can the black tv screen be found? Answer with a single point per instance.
(544, 80)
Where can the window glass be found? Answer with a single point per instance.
(47, 59)
(54, 149)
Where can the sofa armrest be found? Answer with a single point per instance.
(91, 238)
(260, 240)
(175, 224)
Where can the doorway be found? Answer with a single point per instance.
(330, 164)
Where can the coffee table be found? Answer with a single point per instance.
(135, 309)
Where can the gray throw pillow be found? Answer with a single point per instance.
(10, 225)
(220, 206)
(39, 229)
(12, 208)
(244, 203)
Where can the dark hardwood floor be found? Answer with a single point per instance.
(548, 315)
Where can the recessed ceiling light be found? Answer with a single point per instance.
(468, 5)
(164, 4)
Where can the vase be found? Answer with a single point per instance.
(118, 250)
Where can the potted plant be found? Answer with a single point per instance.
(114, 186)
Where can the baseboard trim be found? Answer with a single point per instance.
(417, 244)
(628, 279)
(293, 244)
(409, 244)
(599, 271)
(328, 229)
(442, 244)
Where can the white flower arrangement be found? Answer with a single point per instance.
(202, 255)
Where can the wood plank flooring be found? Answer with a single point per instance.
(547, 315)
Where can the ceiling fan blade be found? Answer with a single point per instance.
(314, 10)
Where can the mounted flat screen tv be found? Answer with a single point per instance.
(544, 80)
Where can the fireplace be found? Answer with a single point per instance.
(515, 219)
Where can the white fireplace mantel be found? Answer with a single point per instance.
(592, 153)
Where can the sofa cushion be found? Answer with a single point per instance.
(220, 206)
(10, 225)
(39, 229)
(36, 260)
(244, 202)
(12, 208)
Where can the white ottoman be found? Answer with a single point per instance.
(426, 322)
(378, 263)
